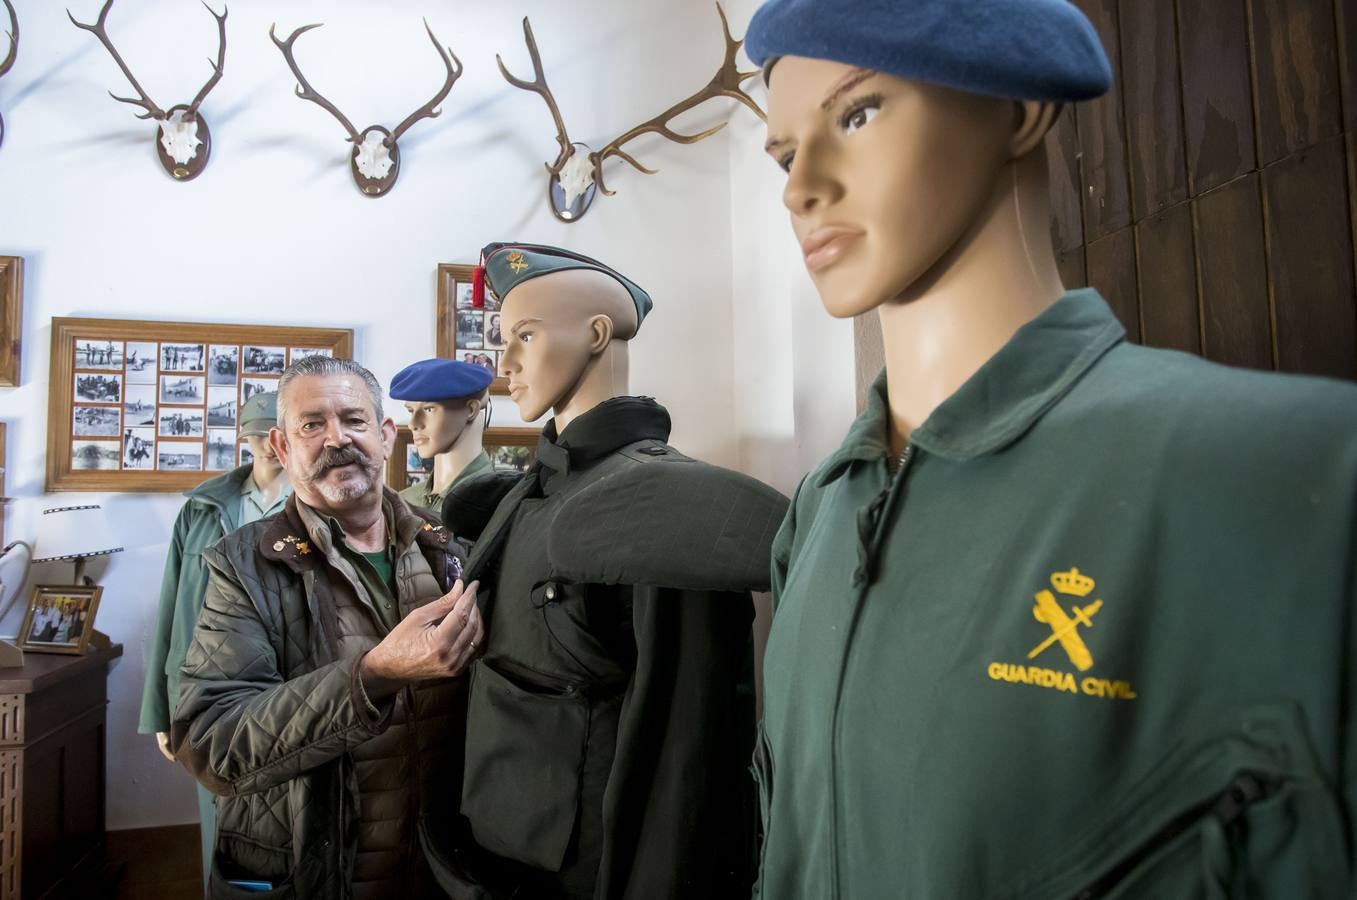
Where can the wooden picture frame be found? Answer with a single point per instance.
(11, 317)
(154, 406)
(508, 446)
(456, 321)
(59, 618)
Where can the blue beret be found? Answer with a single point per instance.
(440, 379)
(509, 265)
(1014, 49)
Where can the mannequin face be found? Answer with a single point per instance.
(436, 425)
(266, 464)
(885, 176)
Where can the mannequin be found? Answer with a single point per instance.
(449, 406)
(611, 715)
(1035, 621)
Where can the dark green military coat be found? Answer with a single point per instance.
(1095, 639)
(610, 715)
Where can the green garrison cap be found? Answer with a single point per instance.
(506, 266)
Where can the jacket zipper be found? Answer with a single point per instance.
(1228, 807)
(871, 531)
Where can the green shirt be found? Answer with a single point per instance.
(374, 570)
(1106, 601)
(420, 495)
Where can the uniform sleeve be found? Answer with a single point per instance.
(783, 542)
(155, 704)
(239, 726)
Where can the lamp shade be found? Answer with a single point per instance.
(72, 532)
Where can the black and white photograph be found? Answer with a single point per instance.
(246, 457)
(139, 405)
(221, 406)
(463, 300)
(251, 386)
(221, 449)
(494, 337)
(139, 448)
(180, 457)
(98, 388)
(510, 457)
(141, 361)
(470, 328)
(91, 455)
(263, 361)
(181, 423)
(92, 354)
(223, 364)
(95, 421)
(297, 353)
(183, 389)
(487, 358)
(182, 357)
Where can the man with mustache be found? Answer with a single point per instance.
(321, 680)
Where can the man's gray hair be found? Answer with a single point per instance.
(323, 366)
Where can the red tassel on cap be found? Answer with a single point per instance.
(478, 288)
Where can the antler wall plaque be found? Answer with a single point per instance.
(577, 174)
(185, 143)
(376, 159)
(8, 62)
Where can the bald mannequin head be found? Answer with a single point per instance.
(565, 342)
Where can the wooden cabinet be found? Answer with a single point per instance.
(52, 772)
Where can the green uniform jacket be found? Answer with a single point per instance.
(212, 511)
(1095, 639)
(420, 495)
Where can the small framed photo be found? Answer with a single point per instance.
(264, 361)
(223, 364)
(180, 456)
(98, 388)
(182, 357)
(59, 618)
(141, 361)
(296, 353)
(139, 405)
(251, 386)
(95, 421)
(182, 389)
(463, 332)
(181, 423)
(221, 406)
(221, 449)
(91, 354)
(139, 448)
(90, 456)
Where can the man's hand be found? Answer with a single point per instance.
(162, 740)
(437, 640)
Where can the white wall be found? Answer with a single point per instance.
(274, 232)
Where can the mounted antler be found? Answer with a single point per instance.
(185, 142)
(375, 162)
(12, 55)
(578, 171)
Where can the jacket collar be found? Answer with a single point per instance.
(299, 536)
(612, 424)
(222, 490)
(997, 405)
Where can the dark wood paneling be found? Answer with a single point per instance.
(1345, 16)
(1154, 116)
(1073, 271)
(1236, 326)
(1168, 280)
(1102, 137)
(1296, 57)
(1062, 156)
(1310, 262)
(1213, 42)
(1112, 270)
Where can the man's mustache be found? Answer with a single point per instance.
(337, 456)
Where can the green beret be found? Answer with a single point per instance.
(506, 266)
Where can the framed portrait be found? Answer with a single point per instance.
(471, 335)
(155, 406)
(11, 317)
(508, 448)
(59, 618)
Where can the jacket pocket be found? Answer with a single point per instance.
(238, 859)
(524, 755)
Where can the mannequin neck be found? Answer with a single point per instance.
(999, 276)
(451, 462)
(605, 376)
(270, 479)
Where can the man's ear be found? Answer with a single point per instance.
(278, 441)
(600, 334)
(1033, 118)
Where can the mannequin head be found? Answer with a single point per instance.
(437, 425)
(266, 465)
(566, 339)
(889, 179)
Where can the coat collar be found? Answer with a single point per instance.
(612, 424)
(997, 405)
(299, 536)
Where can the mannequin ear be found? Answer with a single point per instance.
(1033, 118)
(600, 334)
(473, 409)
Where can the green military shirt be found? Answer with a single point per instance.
(421, 495)
(1094, 638)
(374, 572)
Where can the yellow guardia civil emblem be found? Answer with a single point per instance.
(1065, 626)
(516, 260)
